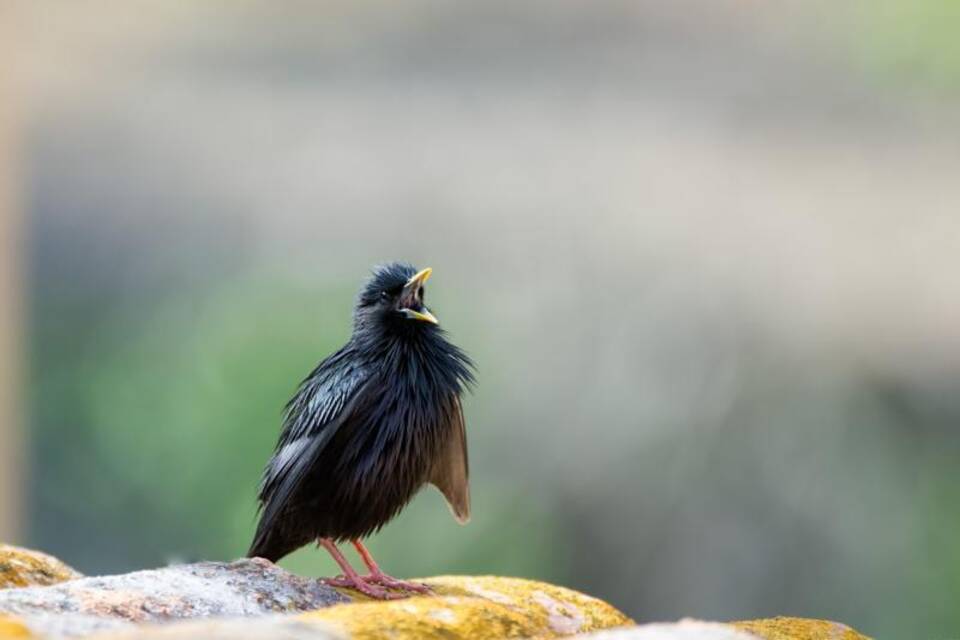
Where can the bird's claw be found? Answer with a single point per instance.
(363, 586)
(389, 582)
(370, 585)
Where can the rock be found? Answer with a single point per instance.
(799, 629)
(475, 607)
(202, 590)
(767, 629)
(464, 607)
(683, 630)
(24, 568)
(11, 628)
(254, 599)
(267, 628)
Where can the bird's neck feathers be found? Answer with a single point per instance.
(423, 356)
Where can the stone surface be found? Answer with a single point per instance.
(272, 627)
(464, 607)
(683, 630)
(799, 629)
(475, 607)
(24, 568)
(254, 599)
(202, 590)
(12, 628)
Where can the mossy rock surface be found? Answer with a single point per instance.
(254, 599)
(475, 607)
(783, 628)
(682, 630)
(12, 628)
(26, 568)
(766, 629)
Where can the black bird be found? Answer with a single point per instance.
(369, 426)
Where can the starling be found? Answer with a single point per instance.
(369, 426)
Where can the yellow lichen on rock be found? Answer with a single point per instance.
(10, 628)
(782, 628)
(564, 611)
(27, 568)
(475, 607)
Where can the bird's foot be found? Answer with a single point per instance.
(362, 585)
(390, 582)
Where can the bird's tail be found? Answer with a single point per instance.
(272, 545)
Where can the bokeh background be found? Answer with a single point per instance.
(704, 253)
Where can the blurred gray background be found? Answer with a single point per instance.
(704, 253)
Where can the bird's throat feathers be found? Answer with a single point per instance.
(424, 360)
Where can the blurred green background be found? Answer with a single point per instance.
(704, 254)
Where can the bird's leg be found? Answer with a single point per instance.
(377, 576)
(350, 578)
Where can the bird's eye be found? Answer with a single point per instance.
(384, 295)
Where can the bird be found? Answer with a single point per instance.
(372, 424)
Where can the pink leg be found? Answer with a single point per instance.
(377, 576)
(350, 578)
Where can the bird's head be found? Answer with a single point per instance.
(392, 301)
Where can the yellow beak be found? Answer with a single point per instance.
(410, 294)
(418, 279)
(423, 314)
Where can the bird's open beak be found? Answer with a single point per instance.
(418, 279)
(411, 302)
(423, 314)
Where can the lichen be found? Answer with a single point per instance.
(782, 628)
(26, 568)
(475, 607)
(686, 629)
(10, 628)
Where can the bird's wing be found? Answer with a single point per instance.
(324, 401)
(451, 469)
